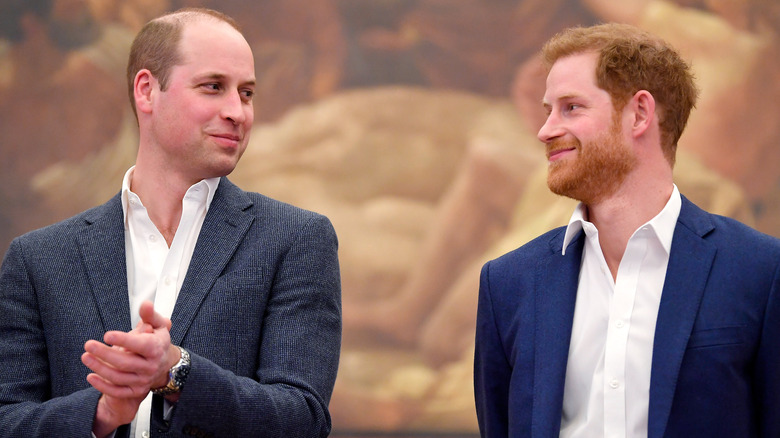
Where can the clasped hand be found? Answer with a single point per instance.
(127, 366)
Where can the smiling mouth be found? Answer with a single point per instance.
(229, 142)
(556, 154)
(227, 137)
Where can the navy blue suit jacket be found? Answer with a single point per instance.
(259, 311)
(716, 353)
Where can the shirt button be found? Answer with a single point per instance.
(152, 238)
(619, 323)
(145, 434)
(614, 384)
(167, 281)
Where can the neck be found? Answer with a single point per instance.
(162, 195)
(619, 216)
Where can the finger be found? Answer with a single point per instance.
(113, 390)
(149, 316)
(151, 346)
(143, 327)
(117, 359)
(115, 375)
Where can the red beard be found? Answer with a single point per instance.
(597, 170)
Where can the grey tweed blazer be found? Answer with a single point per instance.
(259, 310)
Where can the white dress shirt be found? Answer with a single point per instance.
(607, 388)
(156, 272)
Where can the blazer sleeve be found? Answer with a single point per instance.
(27, 408)
(492, 372)
(298, 356)
(767, 381)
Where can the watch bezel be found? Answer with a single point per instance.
(177, 375)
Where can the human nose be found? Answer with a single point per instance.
(550, 130)
(234, 108)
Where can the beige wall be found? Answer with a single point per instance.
(411, 124)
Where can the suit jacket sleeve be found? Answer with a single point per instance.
(768, 364)
(297, 359)
(492, 371)
(27, 405)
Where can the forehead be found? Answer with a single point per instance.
(208, 44)
(573, 75)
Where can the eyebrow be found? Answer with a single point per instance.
(569, 96)
(222, 77)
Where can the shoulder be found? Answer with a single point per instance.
(722, 231)
(732, 231)
(742, 248)
(63, 232)
(231, 196)
(268, 208)
(734, 243)
(544, 246)
(272, 216)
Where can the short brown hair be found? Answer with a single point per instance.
(631, 60)
(156, 47)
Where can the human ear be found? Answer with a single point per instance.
(143, 87)
(642, 105)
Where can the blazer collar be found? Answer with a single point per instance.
(223, 229)
(557, 276)
(102, 246)
(689, 266)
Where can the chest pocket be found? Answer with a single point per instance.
(717, 337)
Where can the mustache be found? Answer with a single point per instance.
(561, 144)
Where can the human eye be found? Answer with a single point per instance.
(211, 87)
(247, 94)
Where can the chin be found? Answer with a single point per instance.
(225, 167)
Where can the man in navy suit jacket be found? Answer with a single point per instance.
(222, 303)
(645, 316)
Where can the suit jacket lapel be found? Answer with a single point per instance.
(102, 245)
(556, 292)
(689, 266)
(223, 230)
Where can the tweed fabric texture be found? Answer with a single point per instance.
(259, 311)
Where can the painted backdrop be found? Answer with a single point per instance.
(411, 124)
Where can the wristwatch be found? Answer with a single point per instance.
(176, 376)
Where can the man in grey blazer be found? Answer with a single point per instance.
(183, 306)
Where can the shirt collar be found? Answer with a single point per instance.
(211, 185)
(663, 223)
(575, 225)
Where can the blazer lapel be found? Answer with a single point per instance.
(223, 230)
(102, 245)
(556, 292)
(689, 265)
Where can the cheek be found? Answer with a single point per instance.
(190, 106)
(250, 116)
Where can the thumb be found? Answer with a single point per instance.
(149, 316)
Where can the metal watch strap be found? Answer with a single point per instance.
(177, 375)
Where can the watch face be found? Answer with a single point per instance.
(180, 371)
(176, 376)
